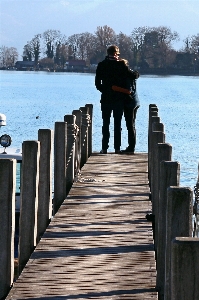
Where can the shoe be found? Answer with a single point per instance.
(103, 151)
(150, 217)
(117, 152)
(128, 150)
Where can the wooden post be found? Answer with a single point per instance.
(169, 176)
(90, 128)
(157, 126)
(164, 152)
(45, 136)
(7, 223)
(60, 144)
(185, 268)
(29, 201)
(150, 150)
(179, 212)
(84, 135)
(156, 137)
(78, 115)
(70, 152)
(153, 112)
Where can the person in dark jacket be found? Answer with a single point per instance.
(108, 74)
(131, 105)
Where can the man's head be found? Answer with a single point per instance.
(113, 50)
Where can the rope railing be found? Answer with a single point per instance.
(74, 129)
(85, 124)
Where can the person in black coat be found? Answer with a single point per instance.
(108, 74)
(130, 106)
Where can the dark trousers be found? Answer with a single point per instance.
(107, 108)
(130, 116)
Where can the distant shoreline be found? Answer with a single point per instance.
(158, 72)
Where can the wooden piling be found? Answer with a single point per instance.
(45, 136)
(78, 115)
(70, 152)
(60, 146)
(156, 137)
(179, 212)
(90, 128)
(153, 113)
(185, 268)
(84, 135)
(29, 201)
(169, 176)
(157, 126)
(7, 223)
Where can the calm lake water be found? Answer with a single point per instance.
(26, 95)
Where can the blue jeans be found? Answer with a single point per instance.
(130, 116)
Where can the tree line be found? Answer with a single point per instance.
(145, 47)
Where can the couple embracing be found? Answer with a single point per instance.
(117, 84)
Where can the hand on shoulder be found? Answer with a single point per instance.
(137, 75)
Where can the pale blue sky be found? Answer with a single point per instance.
(21, 20)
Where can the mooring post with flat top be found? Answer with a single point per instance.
(153, 111)
(185, 268)
(150, 148)
(78, 115)
(156, 137)
(84, 135)
(7, 223)
(60, 160)
(90, 128)
(45, 136)
(70, 150)
(29, 201)
(179, 213)
(169, 176)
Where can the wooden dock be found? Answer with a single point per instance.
(99, 245)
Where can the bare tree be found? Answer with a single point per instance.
(73, 44)
(138, 36)
(187, 45)
(51, 37)
(194, 50)
(152, 49)
(125, 44)
(153, 45)
(105, 36)
(165, 37)
(61, 54)
(13, 55)
(195, 44)
(27, 52)
(82, 45)
(35, 45)
(8, 56)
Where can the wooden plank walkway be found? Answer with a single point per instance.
(99, 245)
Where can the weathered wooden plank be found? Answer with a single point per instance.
(99, 245)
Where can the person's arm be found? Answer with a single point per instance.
(98, 80)
(133, 74)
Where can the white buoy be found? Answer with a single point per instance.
(2, 120)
